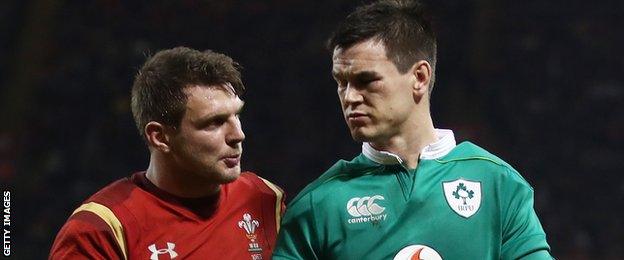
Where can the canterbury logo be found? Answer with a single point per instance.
(365, 206)
(168, 250)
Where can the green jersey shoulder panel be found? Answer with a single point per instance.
(466, 151)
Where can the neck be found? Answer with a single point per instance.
(164, 175)
(410, 141)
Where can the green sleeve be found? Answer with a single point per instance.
(297, 238)
(537, 255)
(523, 236)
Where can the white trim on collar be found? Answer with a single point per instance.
(441, 147)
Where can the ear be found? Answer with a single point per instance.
(422, 74)
(156, 136)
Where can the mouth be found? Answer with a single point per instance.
(232, 160)
(355, 114)
(357, 118)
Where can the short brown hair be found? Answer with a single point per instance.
(158, 89)
(402, 25)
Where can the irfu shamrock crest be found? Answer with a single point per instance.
(462, 192)
(463, 196)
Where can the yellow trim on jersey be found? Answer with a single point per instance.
(111, 220)
(278, 202)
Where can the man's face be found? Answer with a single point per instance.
(376, 98)
(208, 142)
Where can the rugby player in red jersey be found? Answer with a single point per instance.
(192, 202)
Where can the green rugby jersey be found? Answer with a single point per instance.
(461, 202)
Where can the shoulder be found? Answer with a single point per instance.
(110, 201)
(469, 151)
(85, 223)
(470, 156)
(114, 194)
(115, 205)
(253, 184)
(336, 171)
(93, 221)
(85, 235)
(331, 181)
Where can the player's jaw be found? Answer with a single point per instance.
(227, 166)
(364, 133)
(227, 174)
(361, 124)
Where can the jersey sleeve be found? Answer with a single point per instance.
(298, 236)
(523, 235)
(86, 236)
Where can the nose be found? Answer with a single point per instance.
(352, 95)
(235, 134)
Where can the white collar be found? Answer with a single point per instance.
(441, 147)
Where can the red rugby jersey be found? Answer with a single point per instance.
(133, 219)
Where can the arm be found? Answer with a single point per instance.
(85, 236)
(297, 238)
(523, 235)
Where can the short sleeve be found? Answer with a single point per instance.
(523, 235)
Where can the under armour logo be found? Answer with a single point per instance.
(365, 206)
(169, 250)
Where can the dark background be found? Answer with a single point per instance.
(539, 83)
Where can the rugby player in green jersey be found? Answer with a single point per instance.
(412, 193)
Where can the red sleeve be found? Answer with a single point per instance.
(85, 236)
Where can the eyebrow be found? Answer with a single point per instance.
(360, 75)
(211, 117)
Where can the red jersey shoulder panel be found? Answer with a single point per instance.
(86, 235)
(93, 230)
(262, 185)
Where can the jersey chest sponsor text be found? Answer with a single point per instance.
(366, 209)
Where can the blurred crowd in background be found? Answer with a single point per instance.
(539, 83)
